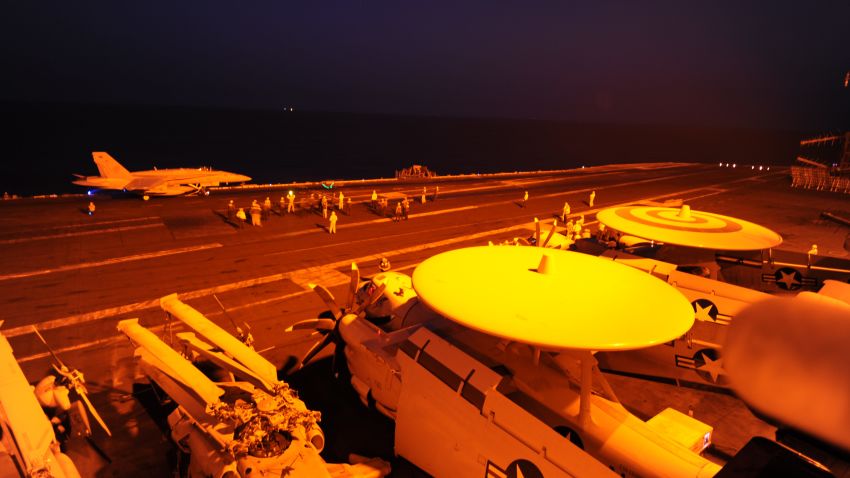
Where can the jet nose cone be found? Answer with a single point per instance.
(241, 178)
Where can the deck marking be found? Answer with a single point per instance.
(115, 260)
(153, 303)
(494, 203)
(103, 223)
(81, 233)
(306, 272)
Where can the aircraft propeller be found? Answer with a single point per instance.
(537, 232)
(328, 327)
(73, 379)
(551, 233)
(535, 240)
(244, 337)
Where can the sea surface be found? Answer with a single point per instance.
(45, 144)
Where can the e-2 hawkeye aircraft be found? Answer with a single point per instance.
(736, 251)
(487, 366)
(250, 426)
(679, 233)
(155, 182)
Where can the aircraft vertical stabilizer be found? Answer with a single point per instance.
(109, 167)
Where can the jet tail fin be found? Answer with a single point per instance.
(109, 167)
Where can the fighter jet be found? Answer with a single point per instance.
(155, 182)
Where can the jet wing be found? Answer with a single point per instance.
(146, 183)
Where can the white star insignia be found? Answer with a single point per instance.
(703, 313)
(713, 367)
(788, 279)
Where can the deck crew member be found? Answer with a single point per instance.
(591, 198)
(436, 191)
(601, 233)
(348, 206)
(91, 208)
(240, 214)
(397, 216)
(290, 205)
(231, 210)
(267, 207)
(341, 201)
(566, 211)
(374, 199)
(255, 213)
(324, 206)
(524, 198)
(332, 222)
(405, 207)
(423, 195)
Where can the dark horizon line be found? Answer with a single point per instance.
(46, 104)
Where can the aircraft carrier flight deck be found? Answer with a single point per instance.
(76, 275)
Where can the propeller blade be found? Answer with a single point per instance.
(370, 300)
(98, 450)
(55, 357)
(322, 325)
(551, 232)
(352, 286)
(537, 231)
(329, 300)
(82, 393)
(233, 322)
(315, 349)
(289, 365)
(338, 359)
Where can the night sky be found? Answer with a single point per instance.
(717, 63)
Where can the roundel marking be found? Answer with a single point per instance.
(704, 309)
(707, 364)
(788, 278)
(523, 469)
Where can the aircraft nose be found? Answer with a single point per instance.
(241, 178)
